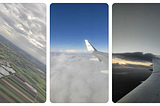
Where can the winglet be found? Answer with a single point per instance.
(89, 46)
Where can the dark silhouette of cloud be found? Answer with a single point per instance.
(117, 65)
(135, 56)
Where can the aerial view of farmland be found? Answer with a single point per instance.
(22, 77)
(22, 53)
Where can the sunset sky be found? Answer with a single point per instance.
(136, 29)
(124, 62)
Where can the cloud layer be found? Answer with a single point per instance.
(135, 56)
(117, 65)
(74, 78)
(25, 26)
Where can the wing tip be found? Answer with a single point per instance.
(90, 48)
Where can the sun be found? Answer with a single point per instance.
(122, 63)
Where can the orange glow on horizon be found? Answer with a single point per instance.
(124, 62)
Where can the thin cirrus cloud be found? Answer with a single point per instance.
(25, 26)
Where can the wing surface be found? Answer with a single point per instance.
(149, 90)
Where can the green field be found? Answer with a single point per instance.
(26, 68)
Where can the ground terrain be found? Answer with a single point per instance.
(28, 83)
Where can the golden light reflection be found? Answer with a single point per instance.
(123, 62)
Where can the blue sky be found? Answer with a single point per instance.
(71, 24)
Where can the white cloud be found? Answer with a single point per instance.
(25, 26)
(76, 51)
(74, 78)
(70, 51)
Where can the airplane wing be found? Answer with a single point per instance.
(101, 56)
(149, 90)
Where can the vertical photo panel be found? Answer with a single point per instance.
(135, 58)
(79, 52)
(22, 53)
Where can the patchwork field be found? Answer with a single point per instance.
(22, 77)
